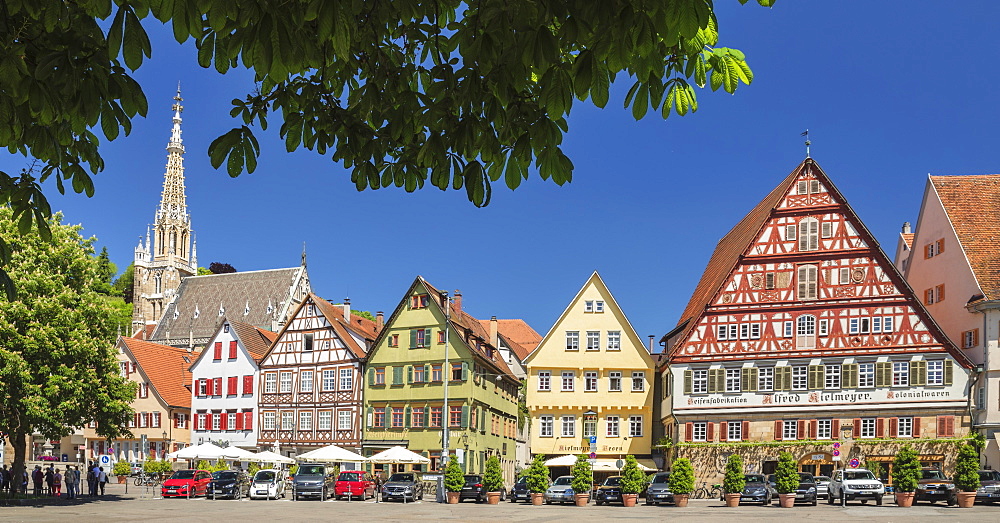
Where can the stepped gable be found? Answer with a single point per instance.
(166, 368)
(972, 204)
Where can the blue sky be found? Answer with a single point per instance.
(890, 93)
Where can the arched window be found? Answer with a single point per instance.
(807, 282)
(809, 234)
(158, 280)
(805, 332)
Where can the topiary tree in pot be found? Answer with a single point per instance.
(122, 469)
(967, 475)
(454, 480)
(537, 479)
(583, 481)
(786, 479)
(493, 480)
(734, 481)
(681, 481)
(905, 475)
(633, 481)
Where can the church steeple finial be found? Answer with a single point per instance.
(303, 254)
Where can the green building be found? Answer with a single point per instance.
(405, 385)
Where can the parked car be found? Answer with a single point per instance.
(757, 490)
(934, 486)
(658, 490)
(268, 484)
(560, 490)
(313, 480)
(989, 486)
(186, 483)
(228, 484)
(354, 484)
(519, 492)
(609, 491)
(822, 486)
(136, 468)
(403, 486)
(850, 484)
(473, 489)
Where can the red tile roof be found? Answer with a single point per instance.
(972, 203)
(517, 334)
(256, 340)
(335, 315)
(907, 239)
(165, 367)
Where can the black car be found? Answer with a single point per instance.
(610, 491)
(473, 489)
(403, 486)
(229, 484)
(934, 486)
(313, 480)
(519, 492)
(757, 490)
(658, 490)
(806, 493)
(989, 486)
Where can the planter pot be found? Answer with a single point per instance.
(905, 499)
(537, 498)
(733, 500)
(581, 500)
(966, 499)
(786, 500)
(121, 479)
(629, 499)
(493, 498)
(454, 497)
(681, 500)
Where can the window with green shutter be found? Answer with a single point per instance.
(948, 372)
(883, 374)
(427, 416)
(918, 373)
(465, 416)
(783, 378)
(749, 379)
(465, 371)
(371, 415)
(849, 376)
(406, 417)
(687, 381)
(409, 373)
(397, 375)
(371, 377)
(413, 338)
(815, 377)
(715, 379)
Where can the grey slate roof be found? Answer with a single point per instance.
(260, 298)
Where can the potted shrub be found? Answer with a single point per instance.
(454, 480)
(734, 481)
(583, 481)
(493, 480)
(633, 481)
(537, 479)
(905, 474)
(122, 469)
(681, 481)
(786, 479)
(967, 475)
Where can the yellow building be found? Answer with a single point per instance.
(591, 377)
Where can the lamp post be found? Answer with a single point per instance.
(446, 376)
(590, 431)
(163, 452)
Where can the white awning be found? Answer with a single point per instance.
(203, 451)
(331, 454)
(398, 454)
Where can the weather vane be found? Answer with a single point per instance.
(808, 143)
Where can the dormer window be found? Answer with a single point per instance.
(225, 328)
(418, 301)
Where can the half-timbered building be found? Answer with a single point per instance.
(802, 331)
(310, 379)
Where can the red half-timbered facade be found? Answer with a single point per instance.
(311, 379)
(802, 330)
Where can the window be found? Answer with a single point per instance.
(598, 306)
(807, 282)
(287, 420)
(455, 415)
(745, 331)
(567, 381)
(418, 374)
(217, 351)
(441, 337)
(769, 281)
(568, 424)
(324, 420)
(877, 324)
(721, 336)
(844, 276)
(790, 233)
(934, 248)
(734, 431)
(854, 326)
(826, 229)
(754, 331)
(216, 421)
(614, 340)
(865, 325)
(800, 377)
(612, 422)
(787, 331)
(347, 379)
(832, 375)
(306, 381)
(824, 327)
(436, 416)
(900, 373)
(588, 306)
(808, 234)
(545, 426)
(699, 381)
(344, 420)
(418, 301)
(790, 429)
(808, 187)
(379, 420)
(732, 331)
(824, 429)
(417, 417)
(286, 382)
(765, 379)
(934, 295)
(635, 426)
(544, 380)
(935, 372)
(329, 380)
(305, 420)
(593, 340)
(420, 338)
(394, 340)
(231, 424)
(866, 375)
(572, 340)
(436, 372)
(590, 381)
(904, 427)
(268, 421)
(615, 381)
(699, 431)
(970, 339)
(638, 381)
(887, 324)
(380, 376)
(397, 417)
(307, 342)
(805, 331)
(232, 350)
(733, 380)
(868, 427)
(248, 384)
(457, 373)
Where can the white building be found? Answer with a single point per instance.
(224, 388)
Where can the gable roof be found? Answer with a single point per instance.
(255, 340)
(362, 327)
(907, 238)
(972, 204)
(517, 335)
(165, 368)
(195, 311)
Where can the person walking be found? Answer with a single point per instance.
(57, 480)
(37, 476)
(102, 479)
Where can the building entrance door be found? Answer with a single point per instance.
(817, 464)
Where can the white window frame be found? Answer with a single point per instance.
(593, 340)
(216, 421)
(887, 324)
(270, 382)
(734, 431)
(567, 426)
(733, 381)
(545, 426)
(635, 426)
(329, 382)
(789, 329)
(721, 332)
(268, 421)
(613, 428)
(588, 306)
(599, 306)
(800, 377)
(935, 372)
(231, 421)
(868, 426)
(345, 420)
(808, 235)
(904, 427)
(638, 381)
(347, 378)
(285, 382)
(590, 381)
(324, 420)
(305, 420)
(824, 429)
(765, 379)
(900, 374)
(567, 380)
(306, 381)
(699, 431)
(544, 380)
(823, 327)
(615, 381)
(572, 340)
(754, 331)
(287, 420)
(699, 381)
(832, 376)
(614, 340)
(876, 324)
(808, 282)
(790, 429)
(866, 375)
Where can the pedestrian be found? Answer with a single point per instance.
(70, 482)
(102, 479)
(91, 481)
(49, 479)
(24, 480)
(4, 479)
(37, 476)
(76, 475)
(57, 479)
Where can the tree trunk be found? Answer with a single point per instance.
(17, 440)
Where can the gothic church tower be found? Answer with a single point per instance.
(170, 253)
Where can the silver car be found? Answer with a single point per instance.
(560, 490)
(822, 486)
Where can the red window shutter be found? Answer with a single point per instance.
(746, 431)
(248, 420)
(778, 426)
(916, 427)
(217, 352)
(176, 420)
(688, 431)
(248, 384)
(857, 428)
(814, 429)
(802, 429)
(879, 427)
(239, 421)
(893, 427)
(723, 431)
(218, 386)
(836, 429)
(233, 390)
(232, 349)
(940, 296)
(709, 431)
(135, 419)
(223, 421)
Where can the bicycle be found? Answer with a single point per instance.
(703, 492)
(148, 480)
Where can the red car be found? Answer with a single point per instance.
(186, 483)
(354, 483)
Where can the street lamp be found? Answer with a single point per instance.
(166, 447)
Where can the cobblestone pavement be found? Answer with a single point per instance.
(138, 506)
